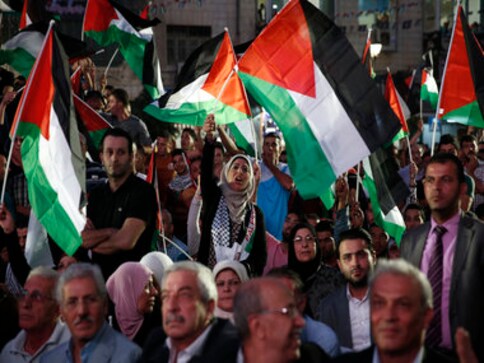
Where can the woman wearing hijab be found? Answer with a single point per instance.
(304, 257)
(232, 226)
(131, 289)
(157, 262)
(229, 275)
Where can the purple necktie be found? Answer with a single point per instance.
(435, 274)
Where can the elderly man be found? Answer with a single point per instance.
(270, 324)
(401, 311)
(81, 293)
(189, 297)
(38, 318)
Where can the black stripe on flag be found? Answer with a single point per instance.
(136, 21)
(357, 92)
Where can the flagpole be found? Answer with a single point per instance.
(436, 120)
(409, 148)
(20, 108)
(111, 62)
(176, 246)
(357, 193)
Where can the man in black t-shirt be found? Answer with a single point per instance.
(121, 213)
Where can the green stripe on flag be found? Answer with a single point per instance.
(469, 114)
(19, 59)
(312, 172)
(43, 198)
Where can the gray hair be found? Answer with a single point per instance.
(401, 267)
(45, 273)
(80, 271)
(205, 279)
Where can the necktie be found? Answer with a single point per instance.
(435, 274)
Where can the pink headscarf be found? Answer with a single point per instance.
(124, 287)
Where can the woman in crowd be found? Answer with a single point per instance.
(157, 262)
(232, 226)
(228, 277)
(131, 289)
(304, 257)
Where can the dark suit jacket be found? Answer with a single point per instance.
(366, 356)
(334, 311)
(466, 306)
(221, 345)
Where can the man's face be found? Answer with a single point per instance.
(22, 237)
(83, 309)
(355, 261)
(179, 164)
(442, 188)
(115, 107)
(185, 315)
(116, 158)
(195, 169)
(164, 146)
(287, 341)
(272, 148)
(291, 220)
(187, 142)
(326, 243)
(398, 319)
(379, 238)
(218, 157)
(413, 218)
(167, 225)
(469, 148)
(38, 308)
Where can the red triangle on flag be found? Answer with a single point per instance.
(392, 98)
(283, 55)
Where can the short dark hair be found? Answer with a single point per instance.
(325, 226)
(219, 145)
(286, 272)
(177, 152)
(121, 95)
(355, 233)
(191, 132)
(415, 206)
(444, 158)
(277, 135)
(448, 139)
(117, 132)
(94, 94)
(467, 138)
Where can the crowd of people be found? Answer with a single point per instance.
(223, 261)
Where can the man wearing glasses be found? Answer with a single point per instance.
(82, 297)
(38, 318)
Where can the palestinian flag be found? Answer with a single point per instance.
(391, 95)
(95, 124)
(108, 23)
(306, 74)
(22, 49)
(386, 189)
(207, 84)
(462, 90)
(243, 133)
(51, 152)
(24, 17)
(429, 91)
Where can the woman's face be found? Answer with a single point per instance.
(304, 245)
(227, 283)
(238, 175)
(146, 300)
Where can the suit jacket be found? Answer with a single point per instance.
(366, 356)
(466, 305)
(221, 345)
(334, 311)
(111, 347)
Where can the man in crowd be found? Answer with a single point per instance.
(81, 293)
(164, 165)
(449, 250)
(413, 215)
(274, 187)
(190, 332)
(121, 213)
(121, 116)
(42, 330)
(347, 310)
(174, 252)
(324, 232)
(401, 311)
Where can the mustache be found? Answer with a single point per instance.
(174, 318)
(84, 318)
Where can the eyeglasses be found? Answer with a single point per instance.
(309, 238)
(34, 296)
(290, 311)
(229, 283)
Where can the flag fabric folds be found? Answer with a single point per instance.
(24, 17)
(306, 74)
(109, 23)
(51, 154)
(462, 90)
(429, 91)
(385, 188)
(207, 84)
(391, 95)
(22, 49)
